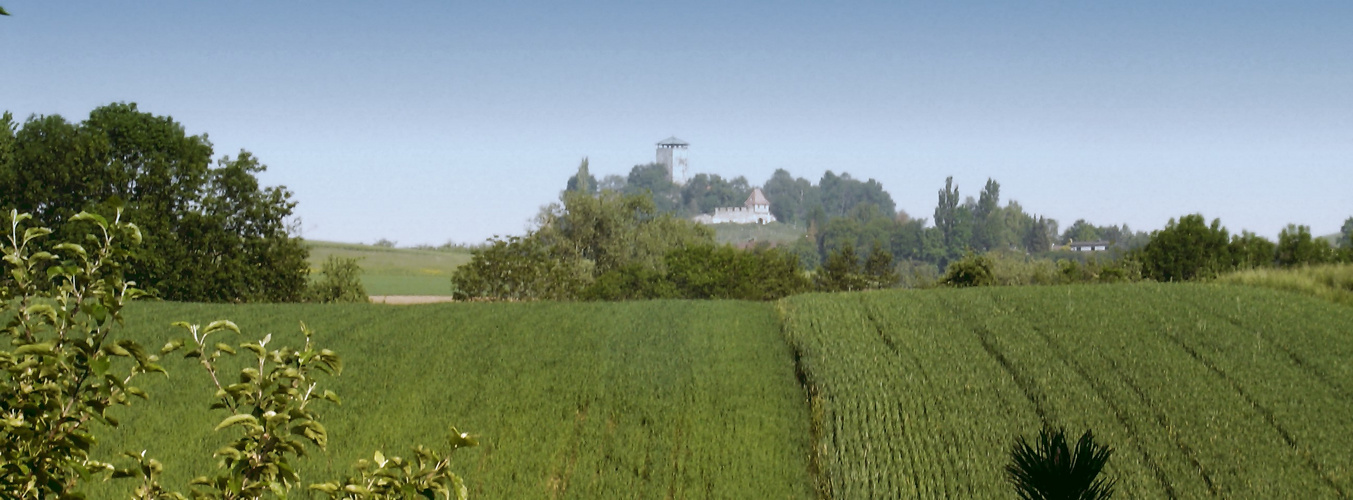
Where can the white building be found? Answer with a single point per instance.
(1089, 246)
(672, 154)
(756, 210)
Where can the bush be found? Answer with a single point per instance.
(1051, 469)
(971, 270)
(1186, 250)
(340, 281)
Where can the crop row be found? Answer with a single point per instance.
(1202, 391)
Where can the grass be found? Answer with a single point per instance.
(775, 233)
(1332, 282)
(619, 400)
(395, 271)
(1202, 390)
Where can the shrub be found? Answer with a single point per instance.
(1186, 250)
(1050, 469)
(971, 270)
(340, 281)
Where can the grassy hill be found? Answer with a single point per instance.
(395, 271)
(775, 233)
(625, 400)
(1202, 390)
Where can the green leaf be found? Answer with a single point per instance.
(171, 346)
(135, 233)
(221, 324)
(35, 232)
(237, 419)
(100, 365)
(43, 310)
(39, 349)
(225, 347)
(79, 250)
(96, 218)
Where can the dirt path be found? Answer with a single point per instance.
(410, 299)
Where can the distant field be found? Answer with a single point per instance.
(776, 233)
(395, 271)
(1203, 391)
(621, 400)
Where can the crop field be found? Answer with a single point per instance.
(621, 400)
(395, 271)
(1203, 390)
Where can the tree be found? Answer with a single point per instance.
(1081, 231)
(583, 181)
(1346, 234)
(1052, 469)
(210, 234)
(1249, 250)
(841, 272)
(1186, 250)
(990, 230)
(1296, 247)
(878, 267)
(705, 192)
(1039, 238)
(651, 179)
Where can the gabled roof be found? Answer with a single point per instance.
(673, 141)
(757, 198)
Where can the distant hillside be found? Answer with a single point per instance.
(775, 233)
(395, 271)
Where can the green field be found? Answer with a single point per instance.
(395, 271)
(1202, 390)
(627, 400)
(774, 233)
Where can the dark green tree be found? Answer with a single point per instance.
(1186, 250)
(211, 234)
(841, 272)
(1346, 234)
(1296, 247)
(706, 192)
(1249, 250)
(583, 181)
(1039, 237)
(878, 267)
(1081, 231)
(651, 179)
(990, 230)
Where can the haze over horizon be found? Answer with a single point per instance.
(421, 122)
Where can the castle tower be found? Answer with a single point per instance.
(672, 154)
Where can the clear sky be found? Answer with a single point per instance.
(427, 121)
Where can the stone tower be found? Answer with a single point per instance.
(672, 154)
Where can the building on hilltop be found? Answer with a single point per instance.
(1089, 246)
(756, 210)
(672, 154)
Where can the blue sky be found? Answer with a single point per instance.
(427, 121)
